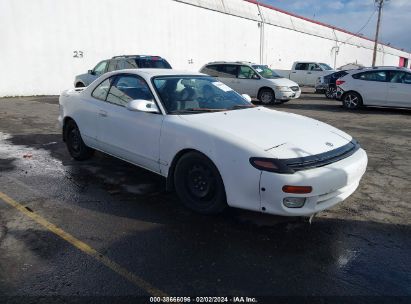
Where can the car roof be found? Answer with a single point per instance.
(155, 72)
(233, 63)
(379, 68)
(136, 56)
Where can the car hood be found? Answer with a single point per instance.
(283, 135)
(283, 82)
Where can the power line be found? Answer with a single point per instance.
(363, 27)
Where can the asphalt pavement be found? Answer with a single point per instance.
(106, 228)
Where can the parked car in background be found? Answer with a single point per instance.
(201, 136)
(380, 86)
(120, 63)
(255, 80)
(306, 73)
(327, 82)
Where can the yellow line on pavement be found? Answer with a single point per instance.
(139, 282)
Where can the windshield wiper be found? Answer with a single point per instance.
(236, 107)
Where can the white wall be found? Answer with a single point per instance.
(38, 38)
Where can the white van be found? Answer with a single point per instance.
(256, 80)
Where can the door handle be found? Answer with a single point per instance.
(102, 113)
(393, 87)
(293, 72)
(309, 73)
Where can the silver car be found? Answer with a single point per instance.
(120, 63)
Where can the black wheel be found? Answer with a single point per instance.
(199, 185)
(80, 85)
(352, 101)
(267, 96)
(330, 92)
(77, 148)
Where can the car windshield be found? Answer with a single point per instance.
(326, 67)
(197, 94)
(266, 72)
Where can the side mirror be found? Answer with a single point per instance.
(91, 72)
(246, 97)
(141, 105)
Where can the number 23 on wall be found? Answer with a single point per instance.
(78, 54)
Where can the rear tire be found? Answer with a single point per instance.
(352, 101)
(75, 144)
(266, 97)
(199, 185)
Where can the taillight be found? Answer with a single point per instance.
(339, 82)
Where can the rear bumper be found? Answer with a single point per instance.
(330, 184)
(339, 93)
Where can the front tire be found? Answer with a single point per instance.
(199, 185)
(266, 97)
(75, 144)
(352, 101)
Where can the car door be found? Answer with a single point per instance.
(399, 89)
(314, 71)
(247, 81)
(299, 73)
(372, 86)
(227, 74)
(88, 117)
(130, 135)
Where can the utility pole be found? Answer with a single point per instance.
(380, 4)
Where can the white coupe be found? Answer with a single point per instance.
(212, 145)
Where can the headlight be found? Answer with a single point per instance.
(282, 89)
(270, 165)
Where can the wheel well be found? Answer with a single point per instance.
(264, 88)
(65, 121)
(177, 157)
(170, 175)
(352, 91)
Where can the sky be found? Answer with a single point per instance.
(352, 15)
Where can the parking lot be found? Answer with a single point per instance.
(106, 228)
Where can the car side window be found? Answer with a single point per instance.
(400, 77)
(380, 76)
(126, 88)
(301, 66)
(100, 68)
(121, 63)
(100, 92)
(112, 66)
(130, 64)
(313, 67)
(245, 72)
(211, 70)
(228, 71)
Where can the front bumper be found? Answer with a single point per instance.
(330, 184)
(321, 87)
(287, 95)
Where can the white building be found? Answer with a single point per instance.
(45, 43)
